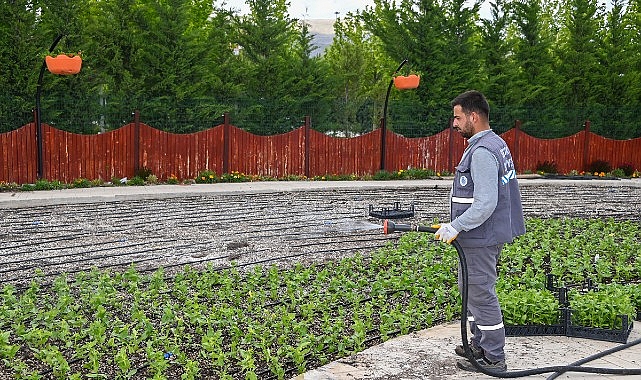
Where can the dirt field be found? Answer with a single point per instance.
(279, 226)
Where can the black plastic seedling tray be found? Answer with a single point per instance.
(608, 335)
(569, 329)
(392, 213)
(535, 330)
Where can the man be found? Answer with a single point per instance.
(486, 213)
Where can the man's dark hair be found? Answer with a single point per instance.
(472, 101)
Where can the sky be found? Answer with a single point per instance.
(312, 9)
(317, 9)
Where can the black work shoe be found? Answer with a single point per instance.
(476, 351)
(498, 366)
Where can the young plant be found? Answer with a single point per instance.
(523, 307)
(601, 308)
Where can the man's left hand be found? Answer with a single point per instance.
(445, 233)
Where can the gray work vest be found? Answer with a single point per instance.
(506, 222)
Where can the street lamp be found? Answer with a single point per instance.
(39, 133)
(384, 121)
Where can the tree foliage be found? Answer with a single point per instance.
(184, 63)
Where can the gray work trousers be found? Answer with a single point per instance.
(484, 312)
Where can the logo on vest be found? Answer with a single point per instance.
(509, 176)
(463, 181)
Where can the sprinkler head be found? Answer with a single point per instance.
(388, 226)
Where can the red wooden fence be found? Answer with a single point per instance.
(225, 148)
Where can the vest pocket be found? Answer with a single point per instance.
(479, 232)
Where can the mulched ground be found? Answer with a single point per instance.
(258, 228)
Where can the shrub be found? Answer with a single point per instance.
(172, 180)
(136, 181)
(383, 175)
(599, 166)
(8, 186)
(290, 177)
(339, 177)
(619, 173)
(206, 176)
(43, 184)
(234, 177)
(412, 173)
(152, 179)
(97, 182)
(27, 187)
(627, 168)
(143, 173)
(81, 183)
(547, 167)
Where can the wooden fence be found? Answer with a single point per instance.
(226, 148)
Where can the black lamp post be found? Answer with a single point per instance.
(384, 121)
(38, 115)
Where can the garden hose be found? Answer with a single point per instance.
(390, 227)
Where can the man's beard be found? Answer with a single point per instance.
(467, 131)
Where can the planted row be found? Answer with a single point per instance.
(269, 322)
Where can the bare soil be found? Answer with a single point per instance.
(258, 228)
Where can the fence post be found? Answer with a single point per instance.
(39, 143)
(136, 142)
(450, 153)
(517, 137)
(39, 158)
(586, 145)
(226, 142)
(383, 141)
(308, 126)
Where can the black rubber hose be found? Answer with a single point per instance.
(597, 356)
(389, 227)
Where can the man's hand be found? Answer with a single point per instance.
(446, 233)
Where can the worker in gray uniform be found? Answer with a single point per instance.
(486, 213)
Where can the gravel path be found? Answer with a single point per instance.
(279, 227)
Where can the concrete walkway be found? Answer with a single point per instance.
(429, 354)
(115, 193)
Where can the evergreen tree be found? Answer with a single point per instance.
(117, 32)
(614, 58)
(616, 109)
(358, 77)
(20, 59)
(532, 53)
(265, 37)
(578, 52)
(632, 76)
(308, 85)
(437, 38)
(494, 50)
(497, 70)
(534, 85)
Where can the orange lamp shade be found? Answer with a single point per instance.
(406, 82)
(63, 64)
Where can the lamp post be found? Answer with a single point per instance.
(38, 115)
(384, 120)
